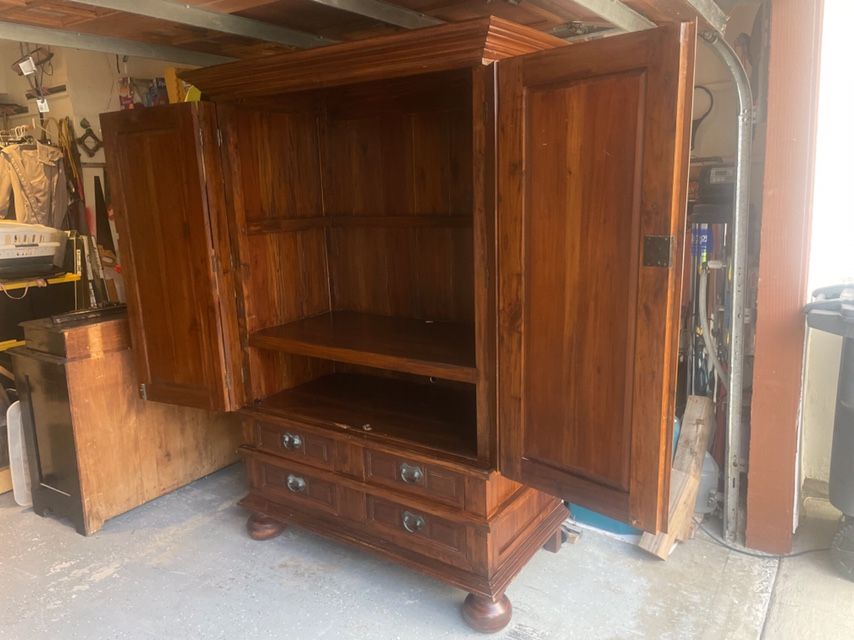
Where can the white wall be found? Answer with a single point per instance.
(717, 135)
(831, 260)
(91, 79)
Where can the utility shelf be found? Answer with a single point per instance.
(11, 285)
(440, 349)
(5, 345)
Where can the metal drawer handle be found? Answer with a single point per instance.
(296, 484)
(412, 522)
(291, 441)
(410, 473)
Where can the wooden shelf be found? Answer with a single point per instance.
(435, 416)
(440, 349)
(10, 285)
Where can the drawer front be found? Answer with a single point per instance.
(421, 532)
(295, 487)
(292, 442)
(427, 480)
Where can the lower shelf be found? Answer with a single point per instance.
(432, 415)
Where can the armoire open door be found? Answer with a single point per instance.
(164, 166)
(592, 165)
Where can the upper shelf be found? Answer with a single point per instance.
(440, 349)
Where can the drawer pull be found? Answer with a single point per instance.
(410, 473)
(412, 522)
(296, 484)
(291, 441)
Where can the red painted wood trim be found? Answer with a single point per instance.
(784, 255)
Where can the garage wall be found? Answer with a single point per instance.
(91, 79)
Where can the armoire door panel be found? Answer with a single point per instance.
(165, 183)
(592, 158)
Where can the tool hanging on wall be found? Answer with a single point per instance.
(89, 141)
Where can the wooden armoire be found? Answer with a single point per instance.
(436, 272)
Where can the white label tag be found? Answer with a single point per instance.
(28, 67)
(42, 104)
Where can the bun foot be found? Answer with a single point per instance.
(262, 527)
(486, 615)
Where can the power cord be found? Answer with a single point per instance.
(756, 554)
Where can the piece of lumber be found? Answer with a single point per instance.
(697, 426)
(5, 479)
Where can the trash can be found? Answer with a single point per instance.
(832, 310)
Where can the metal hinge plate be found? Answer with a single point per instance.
(143, 392)
(657, 251)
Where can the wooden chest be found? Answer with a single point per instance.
(95, 448)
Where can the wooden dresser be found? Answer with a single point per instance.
(96, 450)
(435, 272)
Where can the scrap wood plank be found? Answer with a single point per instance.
(697, 425)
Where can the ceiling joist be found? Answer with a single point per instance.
(710, 12)
(384, 12)
(214, 21)
(74, 40)
(617, 13)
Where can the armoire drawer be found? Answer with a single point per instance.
(430, 481)
(291, 441)
(294, 486)
(424, 533)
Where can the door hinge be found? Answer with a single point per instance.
(219, 137)
(143, 392)
(657, 251)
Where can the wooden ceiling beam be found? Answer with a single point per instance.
(617, 13)
(214, 21)
(75, 40)
(384, 12)
(710, 13)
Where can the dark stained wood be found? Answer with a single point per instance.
(168, 231)
(258, 148)
(588, 166)
(360, 183)
(555, 542)
(424, 347)
(477, 553)
(487, 615)
(484, 259)
(450, 46)
(281, 224)
(409, 476)
(431, 415)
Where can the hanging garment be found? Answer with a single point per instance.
(34, 175)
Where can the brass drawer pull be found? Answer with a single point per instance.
(412, 522)
(291, 441)
(410, 473)
(296, 484)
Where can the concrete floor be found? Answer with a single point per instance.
(182, 567)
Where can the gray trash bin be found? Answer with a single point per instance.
(832, 310)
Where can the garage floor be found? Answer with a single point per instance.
(181, 567)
